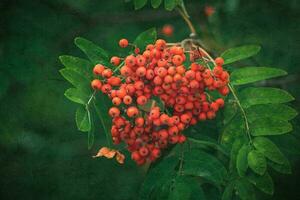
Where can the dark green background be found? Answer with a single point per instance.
(42, 155)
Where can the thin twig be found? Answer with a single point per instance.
(188, 22)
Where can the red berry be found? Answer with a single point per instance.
(219, 61)
(123, 43)
(96, 84)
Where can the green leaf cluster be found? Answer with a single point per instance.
(253, 117)
(168, 4)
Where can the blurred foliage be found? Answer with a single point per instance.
(43, 155)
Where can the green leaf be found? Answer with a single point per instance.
(270, 126)
(269, 149)
(156, 3)
(247, 75)
(257, 162)
(158, 176)
(263, 183)
(94, 53)
(206, 143)
(102, 106)
(91, 139)
(76, 79)
(170, 4)
(241, 160)
(139, 4)
(145, 38)
(263, 95)
(186, 188)
(239, 53)
(228, 192)
(82, 66)
(230, 111)
(233, 130)
(199, 163)
(236, 146)
(281, 168)
(76, 95)
(275, 111)
(83, 120)
(288, 144)
(244, 189)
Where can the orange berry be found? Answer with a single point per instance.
(139, 85)
(127, 100)
(114, 112)
(214, 106)
(132, 111)
(123, 43)
(130, 61)
(154, 113)
(121, 93)
(115, 60)
(139, 122)
(114, 81)
(137, 50)
(96, 84)
(173, 130)
(168, 30)
(160, 43)
(106, 88)
(211, 114)
(141, 100)
(107, 73)
(116, 101)
(125, 71)
(185, 118)
(220, 102)
(149, 74)
(219, 61)
(202, 116)
(164, 118)
(181, 139)
(177, 60)
(143, 151)
(141, 71)
(98, 69)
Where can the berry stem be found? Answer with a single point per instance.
(117, 68)
(187, 20)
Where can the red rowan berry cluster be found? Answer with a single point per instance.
(158, 71)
